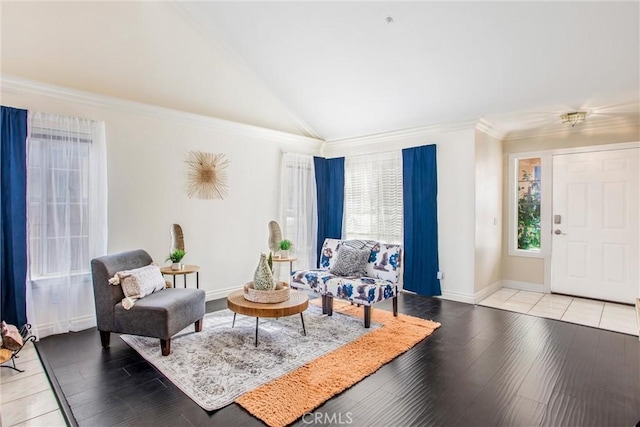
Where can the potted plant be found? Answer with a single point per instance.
(285, 245)
(176, 257)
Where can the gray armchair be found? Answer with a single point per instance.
(160, 315)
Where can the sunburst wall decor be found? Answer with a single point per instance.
(207, 175)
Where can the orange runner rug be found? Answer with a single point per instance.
(289, 397)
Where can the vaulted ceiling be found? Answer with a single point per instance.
(337, 70)
(348, 70)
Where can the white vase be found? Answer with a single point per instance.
(176, 266)
(284, 254)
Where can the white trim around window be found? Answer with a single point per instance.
(545, 204)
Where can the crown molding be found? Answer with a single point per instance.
(490, 129)
(18, 85)
(399, 135)
(584, 127)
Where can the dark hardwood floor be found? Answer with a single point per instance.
(483, 367)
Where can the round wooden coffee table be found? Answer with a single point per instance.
(297, 303)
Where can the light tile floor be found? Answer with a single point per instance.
(26, 398)
(599, 314)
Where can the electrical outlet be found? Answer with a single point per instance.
(440, 275)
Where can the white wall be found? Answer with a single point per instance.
(488, 209)
(144, 51)
(147, 176)
(456, 195)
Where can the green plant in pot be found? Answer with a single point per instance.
(176, 258)
(285, 246)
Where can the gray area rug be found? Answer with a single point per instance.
(219, 364)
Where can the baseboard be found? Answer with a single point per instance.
(452, 296)
(638, 315)
(220, 293)
(523, 286)
(75, 324)
(84, 322)
(458, 296)
(483, 293)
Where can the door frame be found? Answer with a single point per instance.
(546, 202)
(549, 155)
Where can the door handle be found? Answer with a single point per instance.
(558, 231)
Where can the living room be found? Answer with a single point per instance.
(165, 84)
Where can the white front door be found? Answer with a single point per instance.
(595, 225)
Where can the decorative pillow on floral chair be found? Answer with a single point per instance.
(329, 253)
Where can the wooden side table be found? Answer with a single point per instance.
(186, 269)
(289, 260)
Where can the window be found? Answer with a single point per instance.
(67, 218)
(529, 185)
(298, 204)
(373, 197)
(58, 202)
(64, 190)
(529, 204)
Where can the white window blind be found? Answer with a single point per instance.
(373, 197)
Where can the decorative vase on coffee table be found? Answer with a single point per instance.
(263, 278)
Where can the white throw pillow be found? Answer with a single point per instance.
(138, 283)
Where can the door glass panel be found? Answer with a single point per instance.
(529, 204)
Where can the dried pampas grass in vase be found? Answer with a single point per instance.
(207, 175)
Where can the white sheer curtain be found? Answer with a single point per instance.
(373, 197)
(298, 211)
(67, 220)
